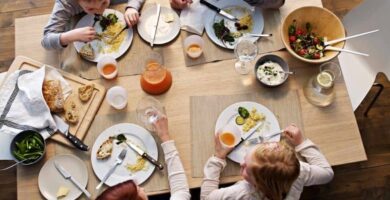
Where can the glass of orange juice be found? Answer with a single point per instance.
(155, 78)
(230, 136)
(107, 67)
(193, 46)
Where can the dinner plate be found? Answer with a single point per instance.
(87, 20)
(227, 117)
(237, 8)
(50, 179)
(140, 137)
(166, 32)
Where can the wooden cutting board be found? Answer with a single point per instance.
(87, 110)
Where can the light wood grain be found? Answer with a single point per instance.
(337, 135)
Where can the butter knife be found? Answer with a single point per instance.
(219, 10)
(156, 25)
(249, 134)
(144, 154)
(68, 176)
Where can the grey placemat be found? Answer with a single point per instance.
(206, 109)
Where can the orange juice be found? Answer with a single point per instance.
(108, 68)
(155, 79)
(227, 138)
(194, 50)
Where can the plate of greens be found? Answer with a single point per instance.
(226, 33)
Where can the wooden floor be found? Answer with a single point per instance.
(365, 180)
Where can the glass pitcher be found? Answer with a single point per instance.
(319, 89)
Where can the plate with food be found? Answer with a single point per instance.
(168, 25)
(106, 149)
(226, 33)
(111, 24)
(246, 116)
(53, 185)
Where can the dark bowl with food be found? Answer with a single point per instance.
(28, 145)
(270, 70)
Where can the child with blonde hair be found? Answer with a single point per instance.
(270, 171)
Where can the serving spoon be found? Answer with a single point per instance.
(327, 43)
(13, 165)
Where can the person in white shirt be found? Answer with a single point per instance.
(270, 171)
(178, 184)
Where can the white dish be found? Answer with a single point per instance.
(87, 20)
(166, 32)
(139, 136)
(50, 179)
(212, 16)
(227, 117)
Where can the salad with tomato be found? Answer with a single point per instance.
(304, 42)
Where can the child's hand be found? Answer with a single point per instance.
(131, 16)
(180, 4)
(161, 126)
(85, 34)
(294, 135)
(221, 151)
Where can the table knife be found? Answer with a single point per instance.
(116, 35)
(63, 128)
(219, 10)
(156, 25)
(144, 154)
(249, 134)
(68, 176)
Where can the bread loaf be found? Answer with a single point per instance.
(52, 93)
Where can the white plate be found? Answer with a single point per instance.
(87, 20)
(139, 136)
(165, 33)
(212, 16)
(270, 125)
(50, 179)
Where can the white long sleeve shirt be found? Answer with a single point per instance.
(316, 171)
(176, 175)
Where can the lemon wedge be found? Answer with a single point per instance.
(325, 79)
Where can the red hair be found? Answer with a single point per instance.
(122, 191)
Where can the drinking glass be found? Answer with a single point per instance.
(245, 51)
(149, 110)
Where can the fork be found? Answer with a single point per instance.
(261, 138)
(118, 161)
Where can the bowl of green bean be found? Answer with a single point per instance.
(28, 147)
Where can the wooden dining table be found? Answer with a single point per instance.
(334, 128)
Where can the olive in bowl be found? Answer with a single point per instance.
(29, 146)
(271, 70)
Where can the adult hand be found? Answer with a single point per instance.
(131, 16)
(179, 4)
(161, 127)
(221, 151)
(85, 34)
(293, 135)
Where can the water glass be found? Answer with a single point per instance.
(245, 52)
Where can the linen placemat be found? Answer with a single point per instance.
(213, 53)
(157, 181)
(206, 109)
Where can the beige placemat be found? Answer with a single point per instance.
(157, 181)
(206, 109)
(213, 53)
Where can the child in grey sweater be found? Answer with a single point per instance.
(57, 33)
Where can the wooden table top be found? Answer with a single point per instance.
(333, 129)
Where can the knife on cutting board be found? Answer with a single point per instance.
(63, 128)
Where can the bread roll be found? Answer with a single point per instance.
(85, 92)
(52, 93)
(71, 112)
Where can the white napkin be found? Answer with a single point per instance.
(22, 106)
(191, 18)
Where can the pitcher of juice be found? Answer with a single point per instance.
(155, 79)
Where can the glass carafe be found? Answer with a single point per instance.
(155, 79)
(319, 90)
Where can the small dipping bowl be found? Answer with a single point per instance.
(230, 134)
(21, 136)
(193, 46)
(107, 67)
(117, 97)
(275, 59)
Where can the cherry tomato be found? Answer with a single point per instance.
(302, 52)
(292, 38)
(299, 31)
(316, 40)
(317, 56)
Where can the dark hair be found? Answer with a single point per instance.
(123, 191)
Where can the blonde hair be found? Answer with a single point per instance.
(274, 169)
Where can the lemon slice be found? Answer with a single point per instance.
(325, 79)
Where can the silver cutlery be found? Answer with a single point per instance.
(219, 10)
(327, 43)
(13, 165)
(63, 128)
(260, 35)
(119, 160)
(156, 25)
(68, 176)
(262, 138)
(249, 134)
(144, 154)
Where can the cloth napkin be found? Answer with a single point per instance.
(191, 18)
(23, 107)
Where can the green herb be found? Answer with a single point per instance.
(108, 20)
(222, 32)
(31, 147)
(121, 138)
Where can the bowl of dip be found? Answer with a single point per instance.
(270, 70)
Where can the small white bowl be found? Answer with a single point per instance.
(117, 97)
(193, 40)
(103, 61)
(235, 132)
